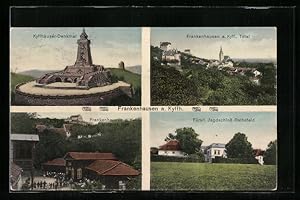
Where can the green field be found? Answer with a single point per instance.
(15, 79)
(134, 80)
(207, 176)
(18, 78)
(127, 76)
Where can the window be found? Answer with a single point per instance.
(79, 173)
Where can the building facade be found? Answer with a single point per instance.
(214, 150)
(171, 148)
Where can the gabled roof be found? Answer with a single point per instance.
(172, 145)
(24, 137)
(112, 168)
(90, 156)
(56, 162)
(258, 152)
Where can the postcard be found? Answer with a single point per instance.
(213, 66)
(75, 66)
(225, 151)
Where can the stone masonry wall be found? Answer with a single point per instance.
(103, 98)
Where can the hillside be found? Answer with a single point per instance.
(15, 79)
(36, 73)
(137, 69)
(194, 84)
(134, 80)
(127, 76)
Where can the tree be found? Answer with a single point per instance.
(239, 147)
(187, 138)
(270, 154)
(23, 123)
(51, 145)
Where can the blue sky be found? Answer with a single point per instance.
(262, 41)
(109, 46)
(260, 132)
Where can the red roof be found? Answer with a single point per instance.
(90, 156)
(172, 145)
(258, 152)
(56, 162)
(112, 168)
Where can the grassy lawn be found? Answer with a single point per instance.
(127, 76)
(207, 176)
(134, 80)
(19, 78)
(15, 79)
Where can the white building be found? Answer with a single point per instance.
(172, 56)
(257, 73)
(214, 150)
(171, 148)
(165, 46)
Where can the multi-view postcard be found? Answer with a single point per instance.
(75, 66)
(213, 151)
(71, 151)
(58, 144)
(213, 66)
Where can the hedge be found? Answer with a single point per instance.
(159, 158)
(235, 160)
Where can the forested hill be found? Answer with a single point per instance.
(120, 137)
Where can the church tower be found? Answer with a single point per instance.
(221, 55)
(84, 58)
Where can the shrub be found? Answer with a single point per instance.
(159, 158)
(235, 160)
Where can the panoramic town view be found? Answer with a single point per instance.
(213, 66)
(70, 151)
(213, 151)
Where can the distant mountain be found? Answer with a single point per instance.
(36, 73)
(255, 60)
(137, 69)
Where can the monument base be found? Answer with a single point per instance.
(29, 94)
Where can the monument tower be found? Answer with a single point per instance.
(84, 57)
(221, 55)
(83, 73)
